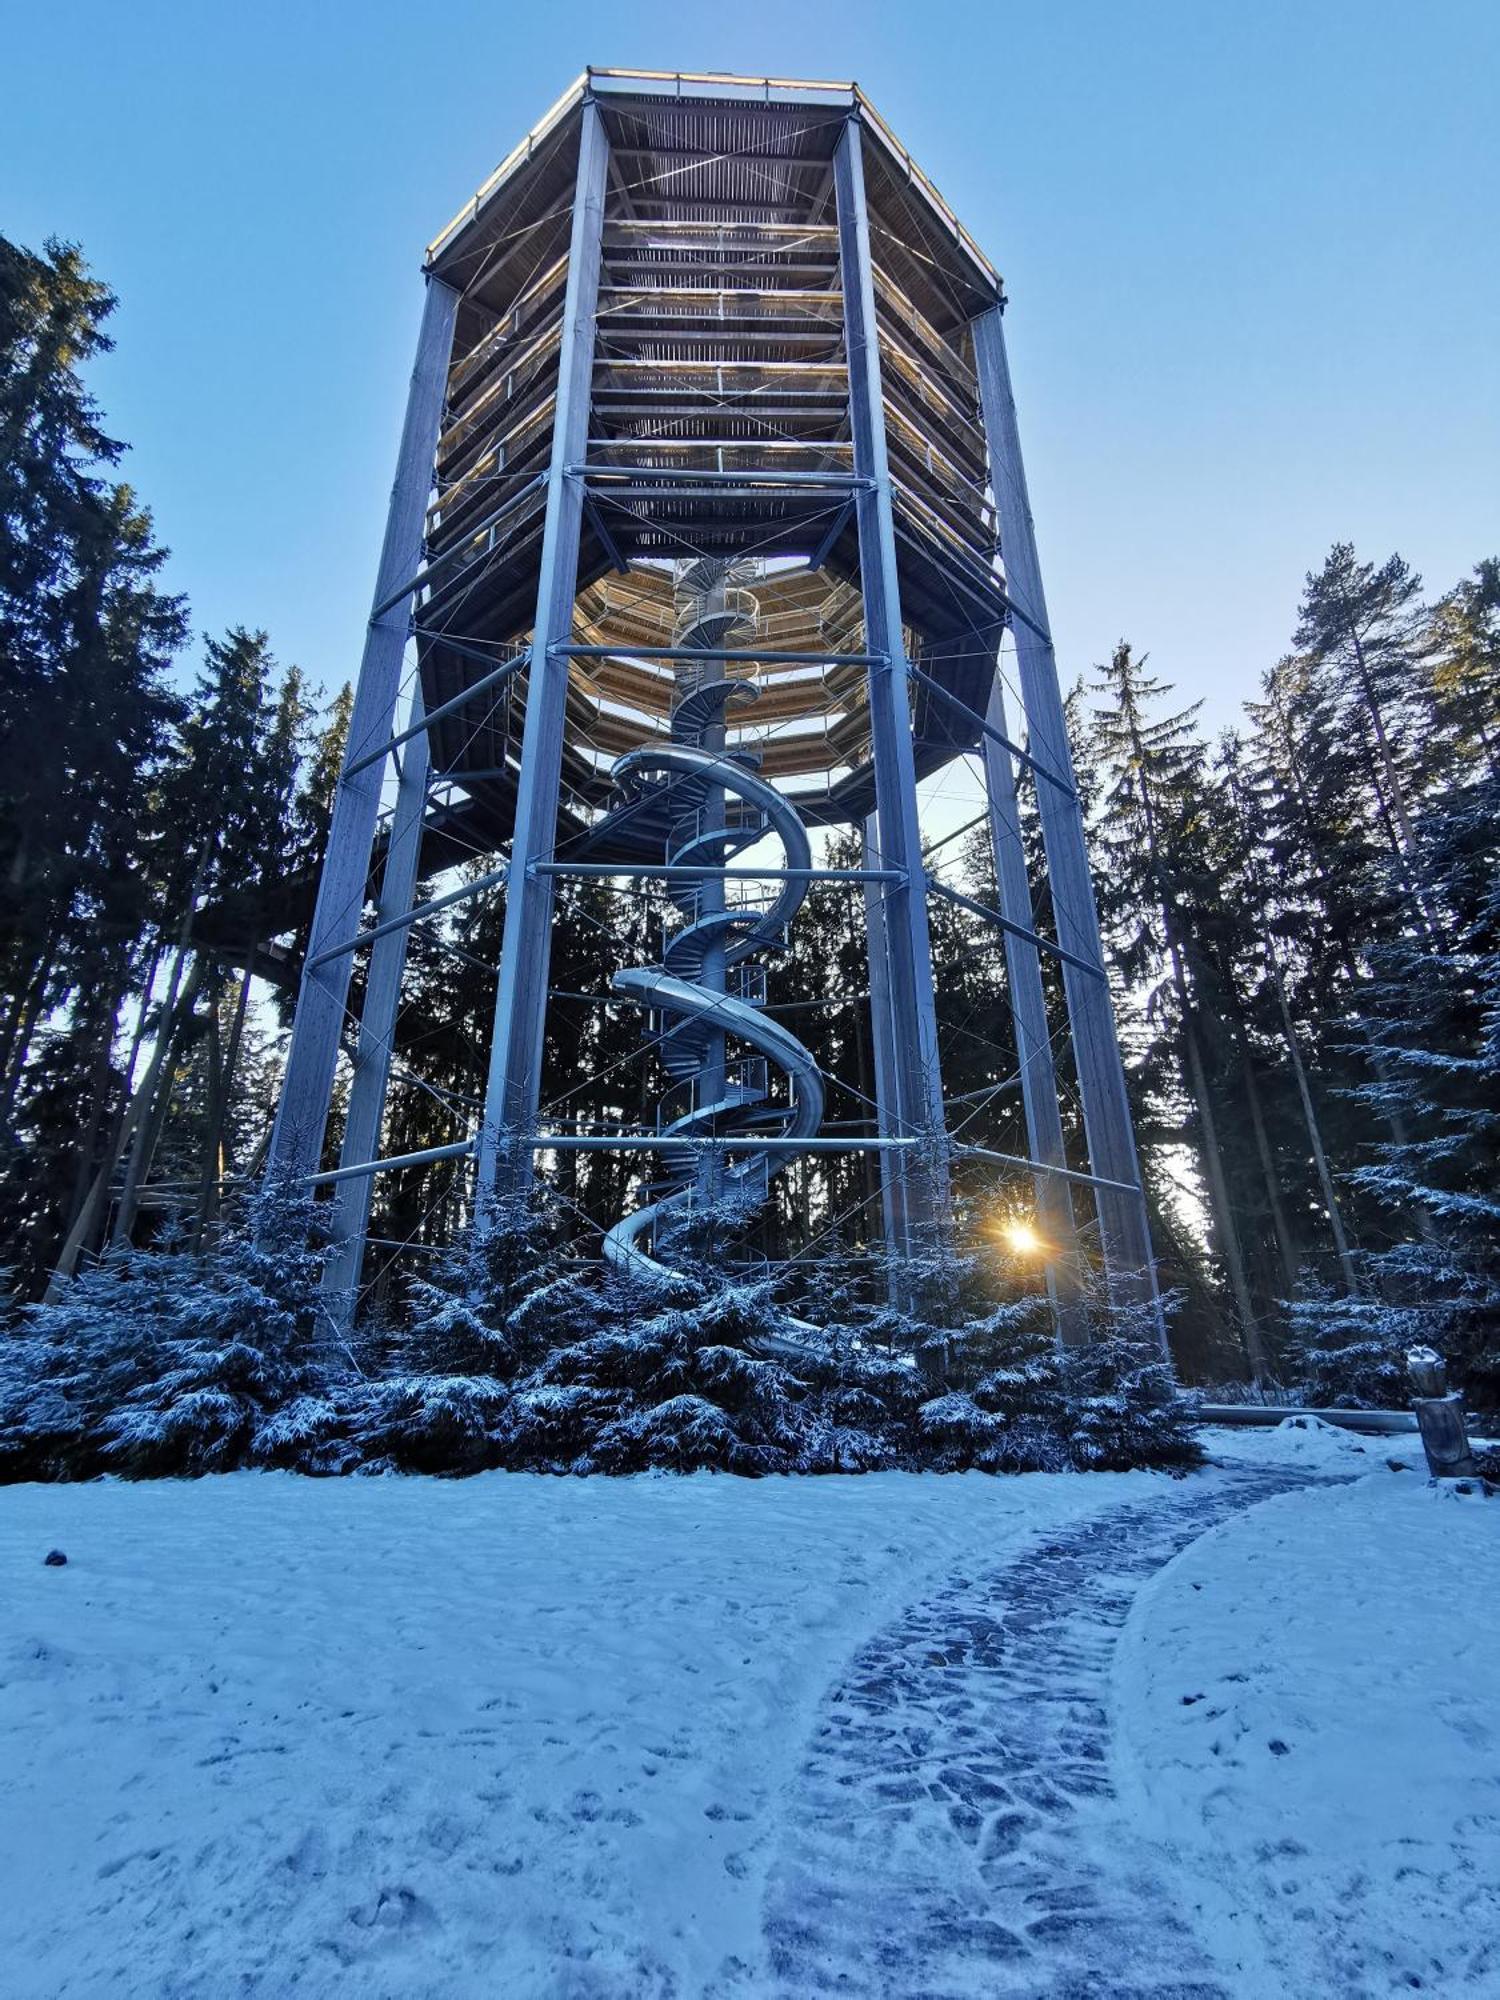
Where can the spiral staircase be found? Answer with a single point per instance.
(708, 992)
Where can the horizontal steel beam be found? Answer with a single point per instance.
(413, 916)
(660, 1142)
(601, 1142)
(665, 871)
(1031, 937)
(758, 655)
(986, 728)
(763, 1007)
(447, 708)
(602, 476)
(635, 495)
(1044, 1167)
(644, 1142)
(800, 231)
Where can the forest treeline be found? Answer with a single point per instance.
(127, 809)
(1300, 917)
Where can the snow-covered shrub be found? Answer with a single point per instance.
(434, 1423)
(501, 1296)
(955, 1433)
(1348, 1353)
(1111, 1406)
(667, 1384)
(551, 1426)
(321, 1433)
(162, 1361)
(1124, 1408)
(683, 1434)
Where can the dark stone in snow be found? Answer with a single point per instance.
(1277, 1748)
(54, 1559)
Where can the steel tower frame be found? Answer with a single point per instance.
(571, 493)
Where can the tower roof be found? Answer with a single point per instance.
(696, 146)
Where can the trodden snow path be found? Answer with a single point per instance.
(953, 1831)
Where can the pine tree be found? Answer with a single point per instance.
(1366, 623)
(1152, 820)
(314, 807)
(162, 1362)
(1261, 916)
(1431, 1017)
(1463, 643)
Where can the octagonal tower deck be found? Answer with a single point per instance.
(719, 424)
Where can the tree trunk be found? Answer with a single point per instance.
(148, 1137)
(1402, 836)
(213, 1138)
(1345, 956)
(91, 1215)
(144, 1143)
(23, 1020)
(237, 1031)
(98, 1085)
(1284, 1249)
(1218, 1186)
(1314, 1133)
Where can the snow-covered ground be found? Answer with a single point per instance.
(504, 1736)
(1308, 1723)
(515, 1736)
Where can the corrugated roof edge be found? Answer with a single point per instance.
(705, 84)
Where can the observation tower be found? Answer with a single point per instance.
(708, 552)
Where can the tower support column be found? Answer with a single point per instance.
(377, 1023)
(1028, 1013)
(917, 1211)
(514, 1085)
(881, 1048)
(1124, 1228)
(317, 1026)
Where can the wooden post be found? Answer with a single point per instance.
(1440, 1417)
(1445, 1436)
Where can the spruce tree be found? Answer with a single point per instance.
(1151, 822)
(1365, 622)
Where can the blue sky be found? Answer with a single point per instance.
(1250, 250)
